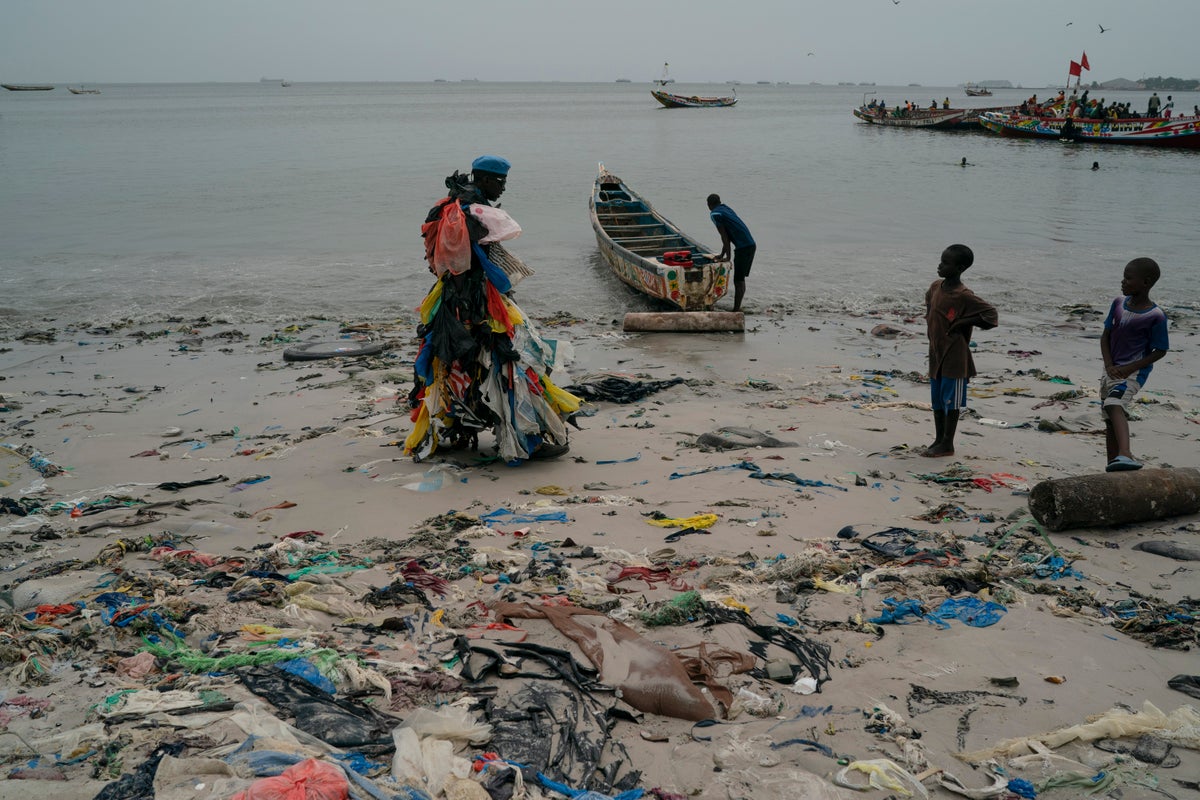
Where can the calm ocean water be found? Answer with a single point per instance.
(255, 202)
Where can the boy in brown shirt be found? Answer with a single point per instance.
(951, 311)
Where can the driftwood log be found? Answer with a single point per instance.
(1115, 498)
(685, 321)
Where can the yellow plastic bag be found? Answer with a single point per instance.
(560, 400)
(698, 521)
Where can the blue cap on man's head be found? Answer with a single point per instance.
(493, 164)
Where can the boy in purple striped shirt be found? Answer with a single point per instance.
(1135, 336)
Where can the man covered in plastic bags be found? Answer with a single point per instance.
(481, 363)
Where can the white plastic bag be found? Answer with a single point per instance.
(426, 763)
(448, 722)
(500, 226)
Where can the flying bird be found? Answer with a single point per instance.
(1069, 24)
(1102, 28)
(895, 2)
(812, 54)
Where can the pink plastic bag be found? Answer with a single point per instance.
(453, 252)
(308, 780)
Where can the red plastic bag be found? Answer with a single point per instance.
(429, 232)
(308, 780)
(453, 251)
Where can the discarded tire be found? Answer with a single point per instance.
(1115, 498)
(318, 350)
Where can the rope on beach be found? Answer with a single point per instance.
(1021, 523)
(194, 661)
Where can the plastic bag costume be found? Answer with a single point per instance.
(481, 363)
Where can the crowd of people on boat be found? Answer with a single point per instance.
(1081, 107)
(1077, 106)
(900, 111)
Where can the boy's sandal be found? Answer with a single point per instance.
(1122, 464)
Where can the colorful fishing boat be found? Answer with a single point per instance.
(650, 253)
(670, 100)
(1176, 132)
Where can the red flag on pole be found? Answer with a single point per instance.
(1083, 61)
(1074, 69)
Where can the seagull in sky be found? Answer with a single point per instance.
(1102, 28)
(1069, 24)
(812, 54)
(895, 2)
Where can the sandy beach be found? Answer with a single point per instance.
(185, 511)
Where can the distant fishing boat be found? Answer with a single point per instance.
(670, 100)
(82, 90)
(285, 84)
(19, 87)
(650, 253)
(977, 91)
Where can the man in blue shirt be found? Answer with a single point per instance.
(733, 232)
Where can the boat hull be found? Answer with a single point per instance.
(1178, 132)
(14, 87)
(917, 118)
(691, 101)
(633, 239)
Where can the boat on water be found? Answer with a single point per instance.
(26, 87)
(977, 91)
(670, 100)
(942, 119)
(82, 90)
(1175, 132)
(650, 253)
(914, 118)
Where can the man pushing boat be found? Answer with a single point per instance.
(734, 233)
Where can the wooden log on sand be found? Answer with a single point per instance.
(685, 321)
(1115, 498)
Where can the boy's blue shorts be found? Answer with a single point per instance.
(948, 394)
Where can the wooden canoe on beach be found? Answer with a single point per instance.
(650, 253)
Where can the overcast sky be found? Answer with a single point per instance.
(932, 42)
